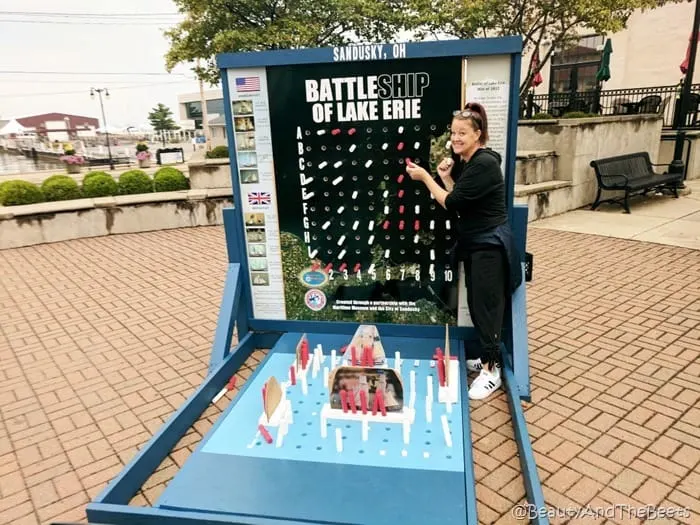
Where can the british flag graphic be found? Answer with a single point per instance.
(259, 198)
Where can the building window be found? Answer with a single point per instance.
(193, 110)
(573, 69)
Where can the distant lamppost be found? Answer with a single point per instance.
(104, 119)
(677, 165)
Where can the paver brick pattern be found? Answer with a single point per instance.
(102, 339)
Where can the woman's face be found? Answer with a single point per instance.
(463, 136)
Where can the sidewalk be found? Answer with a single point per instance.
(658, 219)
(102, 339)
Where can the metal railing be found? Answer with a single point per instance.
(663, 100)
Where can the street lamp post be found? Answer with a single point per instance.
(104, 119)
(677, 165)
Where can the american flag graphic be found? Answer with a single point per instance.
(259, 197)
(247, 84)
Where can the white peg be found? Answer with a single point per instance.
(397, 360)
(341, 209)
(321, 132)
(325, 376)
(339, 440)
(429, 412)
(341, 254)
(386, 210)
(338, 164)
(446, 431)
(386, 254)
(365, 430)
(314, 253)
(337, 181)
(352, 148)
(324, 428)
(416, 145)
(341, 240)
(406, 432)
(447, 224)
(385, 194)
(326, 225)
(400, 129)
(417, 209)
(432, 225)
(322, 165)
(371, 239)
(354, 194)
(432, 254)
(385, 146)
(304, 384)
(371, 225)
(355, 225)
(368, 163)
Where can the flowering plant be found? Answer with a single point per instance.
(73, 159)
(143, 155)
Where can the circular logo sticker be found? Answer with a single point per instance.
(313, 278)
(315, 300)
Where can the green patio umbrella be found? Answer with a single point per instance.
(603, 74)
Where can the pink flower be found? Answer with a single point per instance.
(143, 155)
(73, 159)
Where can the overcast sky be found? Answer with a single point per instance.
(63, 56)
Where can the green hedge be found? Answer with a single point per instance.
(19, 192)
(133, 182)
(99, 185)
(219, 152)
(60, 188)
(170, 179)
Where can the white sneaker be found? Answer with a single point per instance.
(475, 365)
(485, 384)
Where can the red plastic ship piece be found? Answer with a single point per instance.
(408, 161)
(328, 267)
(344, 400)
(265, 434)
(400, 193)
(400, 179)
(386, 225)
(357, 268)
(400, 146)
(336, 131)
(401, 225)
(343, 349)
(363, 401)
(231, 383)
(351, 131)
(401, 208)
(315, 266)
(342, 267)
(416, 225)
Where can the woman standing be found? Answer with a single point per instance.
(473, 190)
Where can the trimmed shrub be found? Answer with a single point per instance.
(100, 185)
(219, 152)
(170, 179)
(577, 114)
(60, 188)
(18, 192)
(133, 182)
(91, 174)
(542, 116)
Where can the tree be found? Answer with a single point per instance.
(557, 22)
(161, 118)
(221, 26)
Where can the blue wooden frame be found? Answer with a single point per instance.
(111, 506)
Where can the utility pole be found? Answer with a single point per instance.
(104, 120)
(205, 113)
(677, 165)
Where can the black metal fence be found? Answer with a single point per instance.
(664, 100)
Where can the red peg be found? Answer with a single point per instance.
(375, 403)
(357, 268)
(382, 406)
(416, 225)
(231, 383)
(363, 401)
(293, 375)
(343, 349)
(328, 267)
(386, 225)
(344, 400)
(400, 146)
(351, 402)
(401, 208)
(342, 267)
(354, 355)
(351, 131)
(401, 225)
(438, 353)
(315, 266)
(408, 161)
(336, 131)
(400, 179)
(265, 434)
(400, 193)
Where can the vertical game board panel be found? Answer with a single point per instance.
(361, 241)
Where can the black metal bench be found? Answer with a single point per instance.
(634, 174)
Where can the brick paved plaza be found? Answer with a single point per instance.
(102, 339)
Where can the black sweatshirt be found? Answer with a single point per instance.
(478, 197)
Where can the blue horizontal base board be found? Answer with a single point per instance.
(234, 472)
